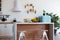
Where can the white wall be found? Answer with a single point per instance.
(48, 5)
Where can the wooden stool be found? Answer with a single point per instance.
(22, 35)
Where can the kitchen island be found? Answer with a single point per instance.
(34, 31)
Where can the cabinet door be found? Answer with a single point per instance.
(6, 29)
(2, 29)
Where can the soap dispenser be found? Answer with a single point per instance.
(22, 35)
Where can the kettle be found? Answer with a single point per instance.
(3, 19)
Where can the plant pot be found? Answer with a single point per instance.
(55, 30)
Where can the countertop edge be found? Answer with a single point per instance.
(36, 23)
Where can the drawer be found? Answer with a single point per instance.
(6, 29)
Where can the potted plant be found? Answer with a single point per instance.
(54, 19)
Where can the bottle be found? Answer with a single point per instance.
(44, 12)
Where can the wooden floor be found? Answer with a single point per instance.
(6, 38)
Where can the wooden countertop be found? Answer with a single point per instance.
(23, 23)
(35, 23)
(6, 22)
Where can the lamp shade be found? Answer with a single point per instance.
(17, 6)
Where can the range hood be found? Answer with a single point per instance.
(17, 6)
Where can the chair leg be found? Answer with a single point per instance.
(44, 36)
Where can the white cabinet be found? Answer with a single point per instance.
(6, 29)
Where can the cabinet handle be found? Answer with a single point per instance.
(5, 25)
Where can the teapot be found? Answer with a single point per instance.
(3, 19)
